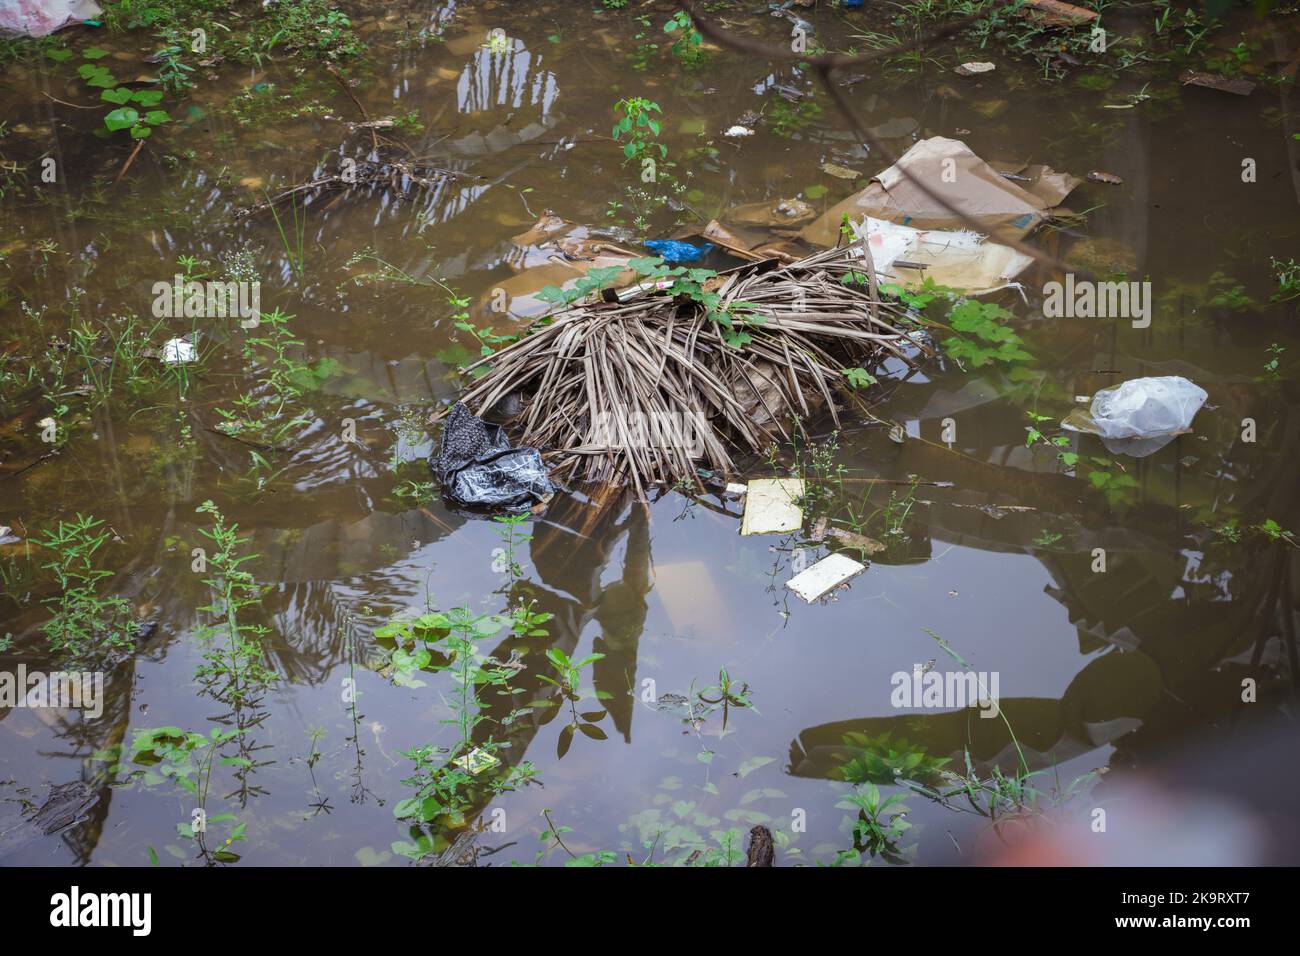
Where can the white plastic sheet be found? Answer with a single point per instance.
(1143, 408)
(38, 18)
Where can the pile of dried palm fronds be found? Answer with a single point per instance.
(647, 389)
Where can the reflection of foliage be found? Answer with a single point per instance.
(885, 761)
(787, 119)
(1224, 293)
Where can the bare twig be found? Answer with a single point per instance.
(334, 72)
(139, 144)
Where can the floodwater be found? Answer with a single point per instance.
(1116, 668)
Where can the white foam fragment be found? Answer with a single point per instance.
(824, 576)
(770, 506)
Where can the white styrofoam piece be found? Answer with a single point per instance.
(824, 576)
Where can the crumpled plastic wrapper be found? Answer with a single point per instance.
(477, 465)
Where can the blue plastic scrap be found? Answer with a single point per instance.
(675, 252)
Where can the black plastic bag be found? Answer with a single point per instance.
(477, 466)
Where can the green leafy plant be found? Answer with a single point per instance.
(880, 824)
(1275, 532)
(859, 378)
(568, 679)
(1272, 368)
(637, 129)
(688, 47)
(128, 103)
(553, 837)
(1288, 279)
(448, 780)
(234, 667)
(269, 421)
(84, 623)
(161, 756)
(983, 337)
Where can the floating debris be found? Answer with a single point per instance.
(824, 576)
(676, 252)
(974, 69)
(178, 352)
(1056, 13)
(855, 540)
(1212, 81)
(770, 506)
(643, 389)
(1097, 176)
(476, 761)
(477, 465)
(840, 172)
(962, 181)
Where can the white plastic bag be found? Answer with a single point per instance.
(37, 18)
(1141, 408)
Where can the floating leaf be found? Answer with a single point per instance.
(118, 96)
(94, 53)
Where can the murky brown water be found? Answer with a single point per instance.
(1095, 669)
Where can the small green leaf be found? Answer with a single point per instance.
(147, 97)
(93, 53)
(122, 118)
(118, 96)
